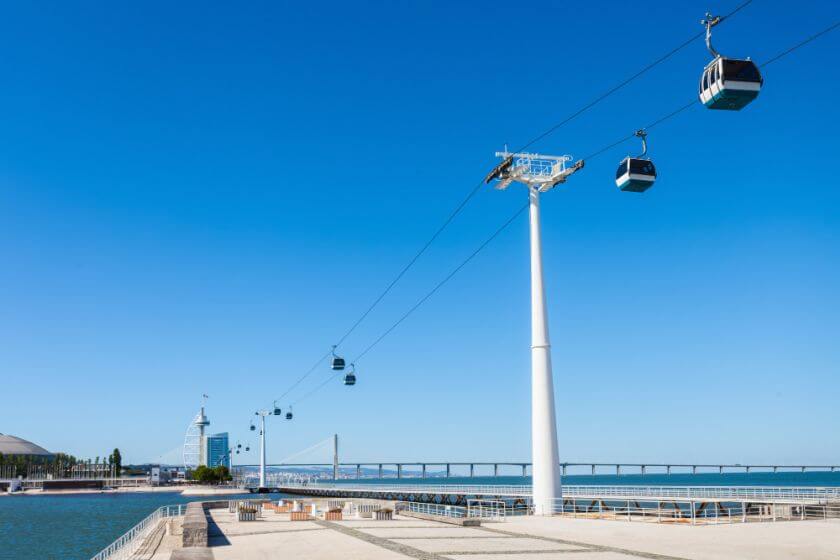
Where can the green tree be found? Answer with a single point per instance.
(207, 475)
(203, 474)
(116, 459)
(222, 474)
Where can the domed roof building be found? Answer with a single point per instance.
(11, 445)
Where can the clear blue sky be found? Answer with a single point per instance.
(202, 197)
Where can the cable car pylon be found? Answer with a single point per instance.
(539, 173)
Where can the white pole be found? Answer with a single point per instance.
(335, 456)
(262, 451)
(545, 456)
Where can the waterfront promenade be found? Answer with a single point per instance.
(517, 538)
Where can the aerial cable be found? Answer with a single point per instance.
(423, 300)
(693, 102)
(782, 54)
(537, 138)
(478, 186)
(653, 124)
(617, 87)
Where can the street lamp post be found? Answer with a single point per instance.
(539, 173)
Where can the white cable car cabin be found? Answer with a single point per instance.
(636, 174)
(727, 83)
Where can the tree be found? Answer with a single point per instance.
(116, 460)
(206, 475)
(222, 474)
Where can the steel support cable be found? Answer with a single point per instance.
(693, 101)
(478, 186)
(534, 140)
(802, 43)
(422, 300)
(644, 70)
(594, 154)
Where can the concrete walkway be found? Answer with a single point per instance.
(521, 538)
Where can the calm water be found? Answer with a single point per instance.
(73, 527)
(77, 527)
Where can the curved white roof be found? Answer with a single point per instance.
(11, 445)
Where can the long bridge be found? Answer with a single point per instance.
(492, 468)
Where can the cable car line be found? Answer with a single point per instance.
(422, 300)
(506, 224)
(534, 140)
(650, 66)
(691, 103)
(479, 185)
(782, 54)
(446, 279)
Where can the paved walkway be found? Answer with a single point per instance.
(523, 538)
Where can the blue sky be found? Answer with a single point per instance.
(201, 198)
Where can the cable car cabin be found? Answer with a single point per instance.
(338, 363)
(276, 411)
(288, 416)
(730, 84)
(635, 174)
(350, 379)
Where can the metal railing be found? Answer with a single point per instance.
(736, 493)
(470, 489)
(119, 482)
(129, 542)
(440, 510)
(490, 510)
(693, 512)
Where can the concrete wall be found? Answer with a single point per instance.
(194, 526)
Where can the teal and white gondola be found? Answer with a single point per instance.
(636, 174)
(727, 83)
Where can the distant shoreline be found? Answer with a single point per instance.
(184, 491)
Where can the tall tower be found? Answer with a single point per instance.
(539, 173)
(195, 440)
(202, 422)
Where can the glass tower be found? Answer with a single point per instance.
(217, 450)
